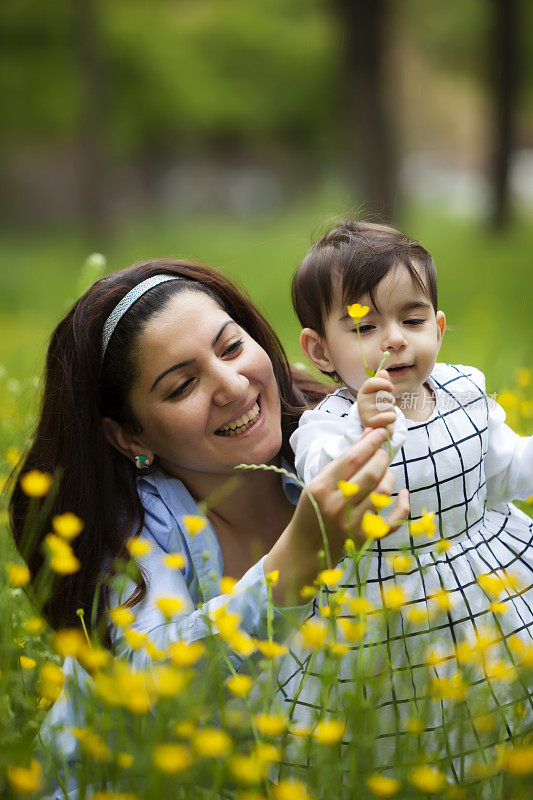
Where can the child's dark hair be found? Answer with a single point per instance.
(352, 258)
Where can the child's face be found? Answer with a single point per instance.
(406, 325)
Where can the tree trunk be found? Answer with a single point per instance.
(88, 51)
(505, 83)
(369, 118)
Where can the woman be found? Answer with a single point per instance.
(159, 382)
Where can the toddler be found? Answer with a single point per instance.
(452, 451)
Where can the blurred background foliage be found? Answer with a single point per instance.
(229, 131)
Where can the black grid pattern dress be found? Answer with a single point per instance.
(442, 463)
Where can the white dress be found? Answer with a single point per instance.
(465, 464)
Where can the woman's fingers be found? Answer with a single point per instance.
(401, 511)
(370, 475)
(358, 455)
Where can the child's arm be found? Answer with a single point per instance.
(509, 460)
(326, 432)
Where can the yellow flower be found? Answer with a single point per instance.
(124, 760)
(122, 616)
(425, 525)
(272, 577)
(347, 488)
(34, 625)
(153, 650)
(330, 577)
(138, 547)
(68, 642)
(25, 780)
(418, 615)
(175, 561)
(193, 524)
(36, 483)
(247, 769)
(67, 525)
(13, 455)
(242, 643)
(313, 634)
(444, 688)
(170, 606)
(360, 605)
(379, 500)
(329, 731)
(443, 545)
(227, 584)
(400, 562)
(172, 758)
(62, 559)
(27, 663)
(185, 654)
(167, 681)
(307, 592)
(352, 631)
(185, 729)
(339, 650)
(517, 760)
(508, 400)
(443, 599)
(485, 723)
(394, 597)
(240, 685)
(349, 547)
(212, 743)
(498, 608)
(134, 638)
(428, 779)
(499, 670)
(357, 311)
(93, 658)
(270, 724)
(415, 725)
(290, 789)
(271, 649)
(523, 377)
(17, 574)
(491, 584)
(51, 681)
(382, 786)
(92, 744)
(373, 526)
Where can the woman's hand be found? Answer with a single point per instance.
(295, 553)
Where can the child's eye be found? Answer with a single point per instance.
(181, 389)
(363, 328)
(414, 321)
(233, 347)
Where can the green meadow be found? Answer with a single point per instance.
(485, 280)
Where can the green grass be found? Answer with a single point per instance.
(485, 281)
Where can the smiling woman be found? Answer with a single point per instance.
(159, 382)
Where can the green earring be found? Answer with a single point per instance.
(142, 462)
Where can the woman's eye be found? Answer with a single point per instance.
(181, 389)
(233, 347)
(414, 321)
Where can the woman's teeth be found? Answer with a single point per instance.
(240, 425)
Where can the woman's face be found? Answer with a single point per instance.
(205, 396)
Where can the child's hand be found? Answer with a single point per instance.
(374, 411)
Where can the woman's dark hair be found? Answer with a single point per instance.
(349, 261)
(98, 483)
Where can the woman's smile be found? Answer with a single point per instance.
(242, 424)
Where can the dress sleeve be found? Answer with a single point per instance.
(322, 436)
(249, 598)
(509, 460)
